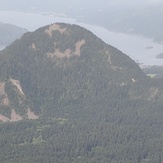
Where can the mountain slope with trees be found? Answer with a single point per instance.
(76, 99)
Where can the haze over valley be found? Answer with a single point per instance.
(136, 46)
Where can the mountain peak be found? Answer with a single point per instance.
(59, 63)
(78, 99)
(55, 27)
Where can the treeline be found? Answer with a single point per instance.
(59, 141)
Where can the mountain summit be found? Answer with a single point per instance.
(61, 66)
(78, 99)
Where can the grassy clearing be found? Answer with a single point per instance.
(152, 75)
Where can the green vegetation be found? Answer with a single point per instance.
(152, 75)
(154, 71)
(95, 105)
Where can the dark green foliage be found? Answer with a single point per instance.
(49, 82)
(84, 141)
(5, 110)
(95, 107)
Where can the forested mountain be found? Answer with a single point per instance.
(9, 33)
(76, 99)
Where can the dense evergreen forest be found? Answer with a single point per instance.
(76, 100)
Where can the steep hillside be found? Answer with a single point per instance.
(89, 101)
(61, 63)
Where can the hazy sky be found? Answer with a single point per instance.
(98, 12)
(61, 4)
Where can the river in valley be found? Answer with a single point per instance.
(141, 49)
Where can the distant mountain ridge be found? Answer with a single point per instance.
(9, 33)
